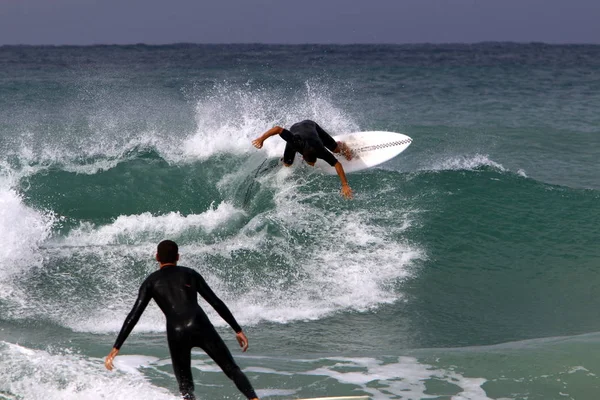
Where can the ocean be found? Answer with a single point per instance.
(468, 267)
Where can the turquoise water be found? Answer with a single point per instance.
(466, 268)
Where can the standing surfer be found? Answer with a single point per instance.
(310, 140)
(175, 289)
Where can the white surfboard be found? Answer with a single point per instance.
(369, 149)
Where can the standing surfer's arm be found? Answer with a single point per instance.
(212, 299)
(216, 303)
(346, 191)
(142, 301)
(258, 142)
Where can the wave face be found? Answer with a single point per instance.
(479, 239)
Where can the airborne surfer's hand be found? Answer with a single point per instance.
(258, 143)
(242, 340)
(108, 363)
(347, 192)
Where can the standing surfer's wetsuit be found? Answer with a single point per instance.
(308, 135)
(175, 290)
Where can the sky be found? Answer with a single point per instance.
(82, 22)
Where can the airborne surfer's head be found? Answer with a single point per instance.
(310, 155)
(309, 151)
(167, 252)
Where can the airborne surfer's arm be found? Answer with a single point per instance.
(346, 191)
(258, 142)
(142, 301)
(331, 160)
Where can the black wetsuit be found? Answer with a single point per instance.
(308, 134)
(175, 289)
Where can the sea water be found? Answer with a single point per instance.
(468, 267)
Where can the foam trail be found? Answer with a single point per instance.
(37, 374)
(405, 378)
(352, 265)
(355, 269)
(146, 227)
(391, 377)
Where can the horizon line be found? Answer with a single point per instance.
(510, 42)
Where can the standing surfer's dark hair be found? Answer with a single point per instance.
(167, 251)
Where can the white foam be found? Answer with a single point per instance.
(577, 369)
(350, 265)
(145, 227)
(37, 374)
(93, 167)
(23, 229)
(403, 377)
(106, 314)
(86, 155)
(406, 378)
(354, 267)
(522, 173)
(262, 370)
(464, 163)
(229, 118)
(132, 363)
(276, 392)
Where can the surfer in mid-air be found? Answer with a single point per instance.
(175, 289)
(310, 140)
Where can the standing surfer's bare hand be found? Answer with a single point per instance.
(108, 363)
(258, 143)
(242, 340)
(347, 192)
